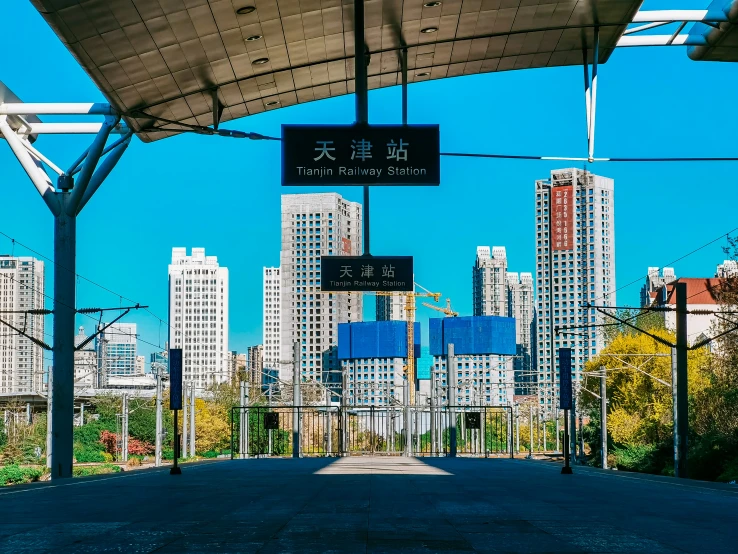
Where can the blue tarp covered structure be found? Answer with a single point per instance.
(375, 339)
(472, 335)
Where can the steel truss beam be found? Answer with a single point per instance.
(659, 18)
(65, 201)
(590, 92)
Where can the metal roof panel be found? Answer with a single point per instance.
(162, 59)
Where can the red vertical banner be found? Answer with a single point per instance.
(562, 224)
(346, 245)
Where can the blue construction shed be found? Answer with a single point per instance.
(473, 335)
(375, 339)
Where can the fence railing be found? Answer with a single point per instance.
(477, 431)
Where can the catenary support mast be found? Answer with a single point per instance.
(73, 190)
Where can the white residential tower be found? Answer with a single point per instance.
(198, 315)
(314, 225)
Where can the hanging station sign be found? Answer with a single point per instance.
(366, 273)
(314, 155)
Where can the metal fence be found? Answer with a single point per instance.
(475, 431)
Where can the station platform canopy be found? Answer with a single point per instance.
(162, 63)
(720, 37)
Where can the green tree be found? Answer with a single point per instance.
(640, 412)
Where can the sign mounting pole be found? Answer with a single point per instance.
(403, 60)
(362, 96)
(565, 401)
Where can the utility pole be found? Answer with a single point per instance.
(433, 414)
(517, 428)
(451, 372)
(603, 415)
(124, 429)
(682, 401)
(544, 432)
(242, 421)
(675, 410)
(157, 451)
(247, 398)
(328, 430)
(530, 426)
(296, 399)
(81, 413)
(558, 431)
(192, 419)
(49, 406)
(185, 419)
(269, 401)
(573, 427)
(406, 412)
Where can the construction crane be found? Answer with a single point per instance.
(447, 310)
(410, 317)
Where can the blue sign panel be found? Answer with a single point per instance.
(175, 379)
(375, 339)
(565, 378)
(473, 335)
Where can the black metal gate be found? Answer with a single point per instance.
(478, 431)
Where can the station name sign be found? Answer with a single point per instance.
(314, 155)
(366, 273)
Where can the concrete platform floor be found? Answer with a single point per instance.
(370, 505)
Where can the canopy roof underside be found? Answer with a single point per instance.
(165, 57)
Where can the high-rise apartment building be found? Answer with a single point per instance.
(159, 362)
(484, 348)
(315, 225)
(521, 303)
(727, 269)
(654, 283)
(506, 294)
(575, 267)
(85, 362)
(116, 351)
(21, 289)
(272, 322)
(373, 357)
(255, 364)
(391, 307)
(198, 316)
(489, 282)
(237, 365)
(482, 379)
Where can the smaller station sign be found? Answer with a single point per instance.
(565, 388)
(314, 155)
(366, 273)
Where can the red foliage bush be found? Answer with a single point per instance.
(137, 447)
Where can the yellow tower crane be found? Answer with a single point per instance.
(410, 317)
(447, 310)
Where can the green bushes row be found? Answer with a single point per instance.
(14, 474)
(710, 459)
(95, 470)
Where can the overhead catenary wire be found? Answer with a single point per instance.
(680, 258)
(14, 242)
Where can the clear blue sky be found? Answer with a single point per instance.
(224, 194)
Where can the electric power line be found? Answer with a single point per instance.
(14, 242)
